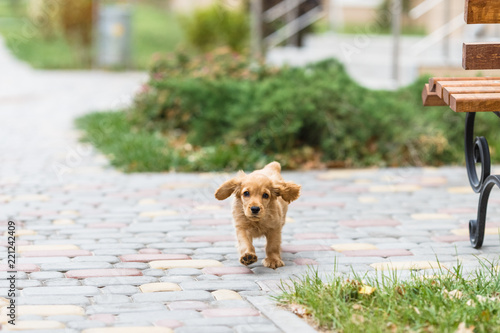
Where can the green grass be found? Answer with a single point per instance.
(440, 302)
(126, 148)
(378, 30)
(153, 30)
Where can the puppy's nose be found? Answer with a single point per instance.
(255, 209)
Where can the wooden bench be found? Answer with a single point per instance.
(472, 95)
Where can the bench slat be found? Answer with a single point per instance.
(430, 98)
(481, 55)
(475, 102)
(482, 11)
(447, 91)
(468, 83)
(434, 80)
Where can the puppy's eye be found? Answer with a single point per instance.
(246, 194)
(265, 196)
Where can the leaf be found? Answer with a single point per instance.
(366, 290)
(299, 310)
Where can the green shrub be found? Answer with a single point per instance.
(219, 111)
(217, 25)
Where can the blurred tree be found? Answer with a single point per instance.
(45, 16)
(385, 13)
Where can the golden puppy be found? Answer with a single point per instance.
(259, 209)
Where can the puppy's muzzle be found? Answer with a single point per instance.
(255, 210)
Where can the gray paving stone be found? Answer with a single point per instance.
(227, 321)
(109, 259)
(120, 290)
(208, 329)
(84, 324)
(20, 283)
(63, 267)
(119, 280)
(136, 265)
(46, 275)
(125, 308)
(53, 300)
(173, 296)
(62, 282)
(212, 285)
(257, 329)
(177, 278)
(49, 291)
(111, 299)
(154, 316)
(65, 318)
(184, 271)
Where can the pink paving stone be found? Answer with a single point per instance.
(20, 267)
(149, 251)
(89, 273)
(105, 318)
(188, 305)
(211, 222)
(304, 247)
(228, 312)
(210, 238)
(312, 193)
(151, 257)
(378, 253)
(369, 223)
(57, 253)
(305, 261)
(226, 270)
(450, 238)
(315, 235)
(106, 225)
(170, 323)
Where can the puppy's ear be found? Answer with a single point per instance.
(289, 191)
(228, 187)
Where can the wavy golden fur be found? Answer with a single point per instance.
(259, 209)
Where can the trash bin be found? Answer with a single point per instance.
(114, 35)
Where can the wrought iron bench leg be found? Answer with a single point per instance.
(477, 151)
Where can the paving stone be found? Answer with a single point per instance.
(20, 284)
(64, 291)
(305, 261)
(46, 310)
(219, 271)
(257, 329)
(216, 285)
(20, 267)
(109, 259)
(313, 235)
(134, 265)
(152, 257)
(234, 312)
(225, 294)
(153, 316)
(211, 222)
(57, 253)
(35, 325)
(53, 300)
(46, 275)
(227, 321)
(105, 318)
(369, 223)
(149, 251)
(74, 266)
(211, 238)
(353, 247)
(169, 264)
(51, 247)
(171, 323)
(384, 253)
(63, 282)
(86, 324)
(159, 286)
(204, 329)
(118, 280)
(130, 329)
(301, 248)
(173, 296)
(110, 299)
(120, 289)
(66, 318)
(89, 273)
(188, 305)
(125, 308)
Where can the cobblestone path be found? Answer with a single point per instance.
(100, 251)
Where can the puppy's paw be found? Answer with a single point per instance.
(273, 263)
(248, 259)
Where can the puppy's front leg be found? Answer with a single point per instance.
(273, 249)
(245, 247)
